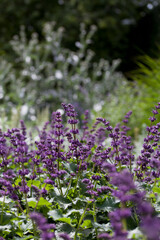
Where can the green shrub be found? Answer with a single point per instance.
(147, 77)
(44, 73)
(125, 97)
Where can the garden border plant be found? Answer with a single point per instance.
(69, 184)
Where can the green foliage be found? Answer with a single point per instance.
(44, 74)
(147, 77)
(125, 97)
(148, 73)
(139, 96)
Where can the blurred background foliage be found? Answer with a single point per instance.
(45, 74)
(82, 52)
(122, 25)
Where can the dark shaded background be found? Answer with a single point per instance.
(126, 28)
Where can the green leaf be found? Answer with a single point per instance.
(33, 182)
(82, 186)
(108, 204)
(55, 214)
(26, 238)
(6, 218)
(64, 227)
(19, 233)
(79, 200)
(65, 220)
(17, 181)
(62, 201)
(86, 224)
(103, 226)
(135, 234)
(48, 187)
(27, 226)
(71, 167)
(43, 202)
(5, 227)
(32, 202)
(156, 189)
(73, 211)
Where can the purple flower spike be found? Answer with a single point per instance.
(104, 236)
(65, 236)
(151, 227)
(47, 235)
(43, 226)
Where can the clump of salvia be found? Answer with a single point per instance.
(68, 171)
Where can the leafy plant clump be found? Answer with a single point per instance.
(147, 76)
(42, 74)
(72, 183)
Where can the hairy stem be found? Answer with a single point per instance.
(80, 221)
(3, 204)
(94, 217)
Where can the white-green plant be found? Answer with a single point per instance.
(44, 73)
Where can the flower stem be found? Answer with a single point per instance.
(78, 174)
(80, 221)
(94, 217)
(60, 187)
(65, 195)
(2, 208)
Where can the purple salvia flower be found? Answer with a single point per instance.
(65, 236)
(104, 236)
(151, 227)
(43, 226)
